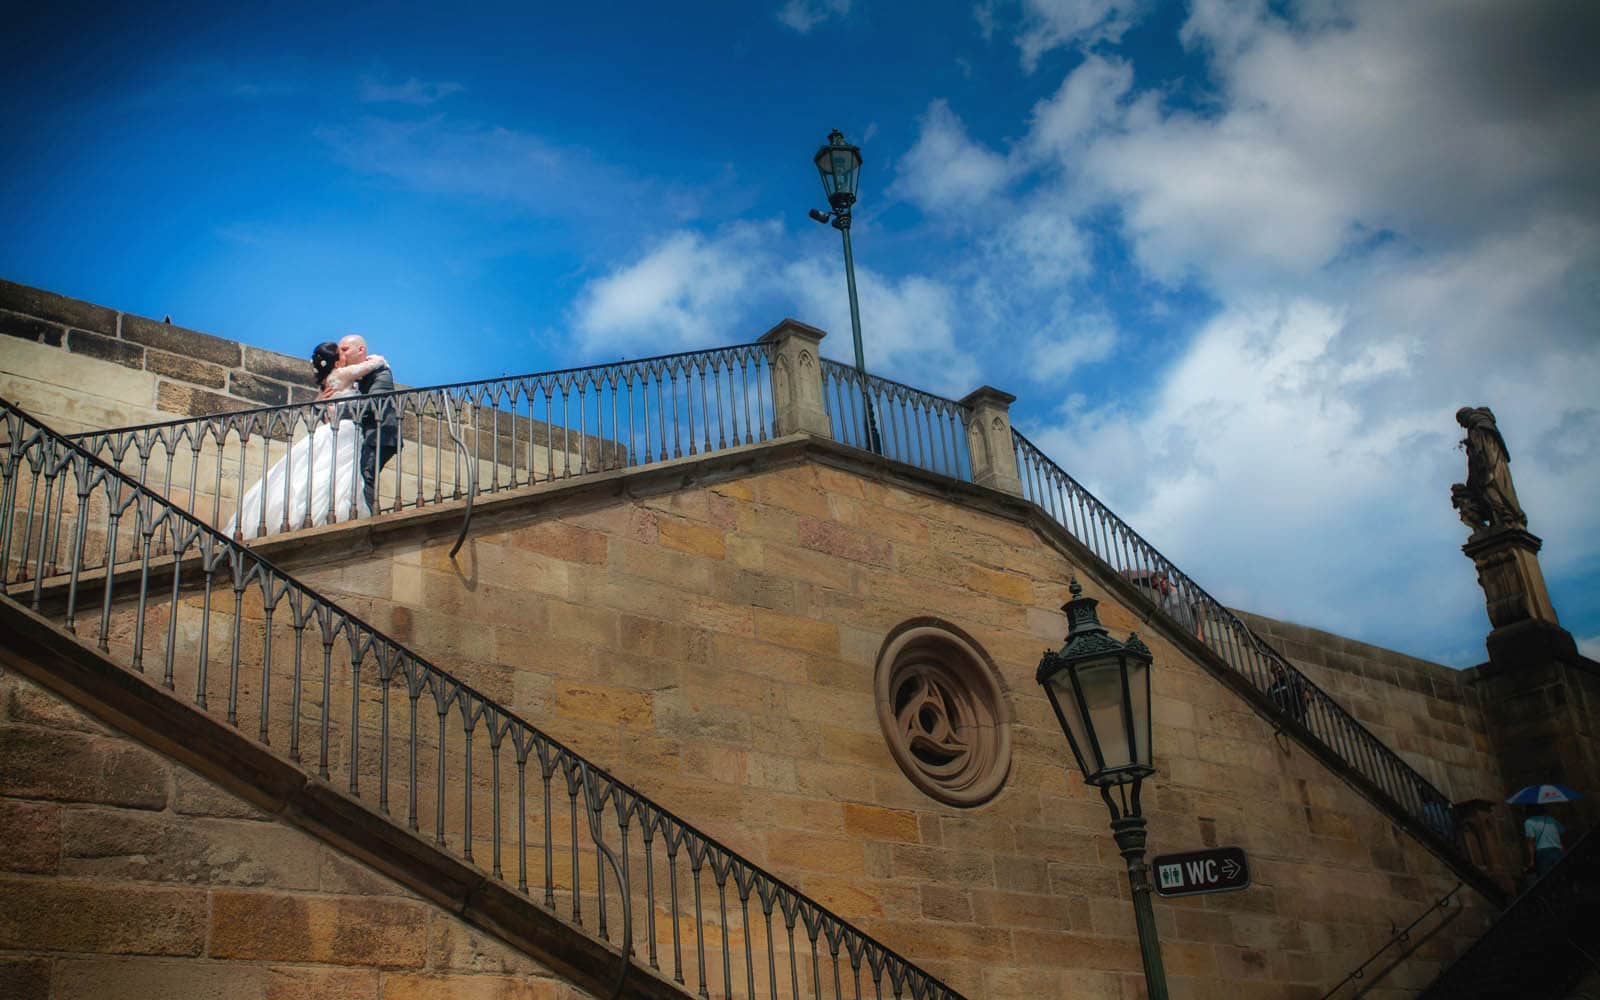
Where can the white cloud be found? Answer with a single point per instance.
(1394, 207)
(1590, 646)
(1398, 118)
(946, 171)
(412, 91)
(1041, 245)
(1055, 354)
(1248, 467)
(1298, 453)
(688, 291)
(693, 290)
(803, 15)
(912, 329)
(1051, 24)
(1229, 201)
(1085, 103)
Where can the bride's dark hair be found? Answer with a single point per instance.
(323, 360)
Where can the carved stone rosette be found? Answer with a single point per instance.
(943, 713)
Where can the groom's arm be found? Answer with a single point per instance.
(381, 380)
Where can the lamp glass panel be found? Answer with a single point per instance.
(1102, 695)
(1139, 692)
(839, 167)
(824, 161)
(1067, 703)
(844, 167)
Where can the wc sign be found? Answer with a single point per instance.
(1221, 869)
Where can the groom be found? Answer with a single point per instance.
(380, 438)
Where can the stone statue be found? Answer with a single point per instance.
(1487, 499)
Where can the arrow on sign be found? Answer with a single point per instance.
(1230, 868)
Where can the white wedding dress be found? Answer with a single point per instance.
(317, 482)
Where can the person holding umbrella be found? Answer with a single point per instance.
(1540, 831)
(1542, 834)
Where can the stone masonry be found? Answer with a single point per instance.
(716, 647)
(1432, 715)
(125, 875)
(84, 367)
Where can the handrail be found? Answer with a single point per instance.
(472, 479)
(254, 661)
(1295, 701)
(688, 358)
(913, 426)
(1401, 936)
(523, 429)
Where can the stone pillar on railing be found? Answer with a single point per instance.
(994, 457)
(797, 379)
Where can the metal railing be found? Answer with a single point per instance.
(454, 440)
(1447, 908)
(1297, 702)
(243, 641)
(912, 426)
(1543, 944)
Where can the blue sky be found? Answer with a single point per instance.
(1239, 262)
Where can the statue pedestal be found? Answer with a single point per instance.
(1524, 620)
(1540, 698)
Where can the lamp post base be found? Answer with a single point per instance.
(1129, 833)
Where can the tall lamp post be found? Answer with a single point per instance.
(839, 163)
(1100, 690)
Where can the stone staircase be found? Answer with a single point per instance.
(202, 649)
(509, 433)
(1545, 946)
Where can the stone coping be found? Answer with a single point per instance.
(200, 372)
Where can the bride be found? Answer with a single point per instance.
(321, 474)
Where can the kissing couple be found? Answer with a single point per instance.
(317, 481)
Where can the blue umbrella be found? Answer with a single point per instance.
(1538, 795)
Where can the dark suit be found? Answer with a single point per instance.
(380, 439)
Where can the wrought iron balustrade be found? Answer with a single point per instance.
(225, 629)
(457, 440)
(912, 426)
(1296, 701)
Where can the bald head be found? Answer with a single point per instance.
(352, 349)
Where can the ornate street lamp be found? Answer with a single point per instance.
(839, 163)
(1100, 690)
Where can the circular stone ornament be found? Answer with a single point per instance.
(943, 712)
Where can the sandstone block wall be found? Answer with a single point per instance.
(77, 366)
(1428, 713)
(83, 367)
(715, 647)
(125, 875)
